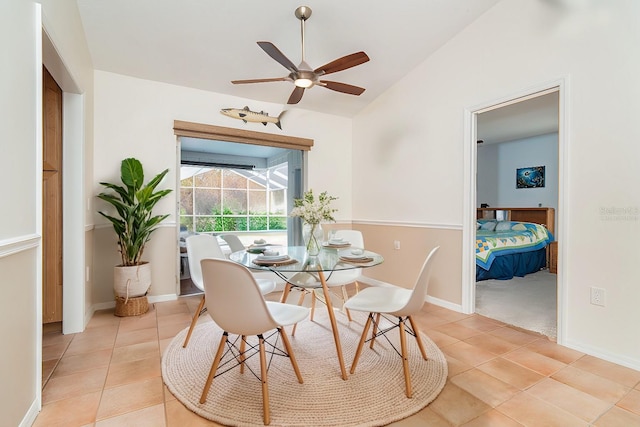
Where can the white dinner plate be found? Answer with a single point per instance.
(348, 255)
(272, 258)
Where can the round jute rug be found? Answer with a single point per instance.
(374, 395)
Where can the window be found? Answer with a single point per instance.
(219, 199)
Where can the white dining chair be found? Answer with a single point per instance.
(234, 242)
(400, 303)
(202, 246)
(237, 307)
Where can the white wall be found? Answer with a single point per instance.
(135, 117)
(413, 137)
(497, 164)
(20, 225)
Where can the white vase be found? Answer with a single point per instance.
(312, 235)
(132, 281)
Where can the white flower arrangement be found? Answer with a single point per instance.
(314, 211)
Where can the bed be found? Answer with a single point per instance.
(512, 241)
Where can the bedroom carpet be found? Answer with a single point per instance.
(528, 302)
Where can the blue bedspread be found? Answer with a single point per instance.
(512, 237)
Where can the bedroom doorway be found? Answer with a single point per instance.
(507, 135)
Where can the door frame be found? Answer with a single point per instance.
(560, 85)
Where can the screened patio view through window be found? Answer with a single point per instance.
(224, 200)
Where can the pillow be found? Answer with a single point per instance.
(519, 227)
(488, 226)
(503, 226)
(478, 225)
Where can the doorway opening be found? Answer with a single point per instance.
(236, 182)
(493, 147)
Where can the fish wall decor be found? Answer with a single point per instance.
(246, 115)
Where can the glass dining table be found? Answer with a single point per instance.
(294, 259)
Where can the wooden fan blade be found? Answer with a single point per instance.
(275, 79)
(343, 63)
(275, 53)
(342, 87)
(296, 95)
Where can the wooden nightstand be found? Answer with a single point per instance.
(553, 257)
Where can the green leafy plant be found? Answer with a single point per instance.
(134, 203)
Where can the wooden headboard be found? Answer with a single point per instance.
(544, 216)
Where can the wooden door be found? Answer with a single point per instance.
(52, 200)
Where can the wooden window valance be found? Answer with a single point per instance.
(219, 133)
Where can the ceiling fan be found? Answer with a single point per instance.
(303, 76)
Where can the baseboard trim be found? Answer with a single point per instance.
(445, 304)
(604, 355)
(32, 413)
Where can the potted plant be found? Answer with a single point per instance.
(133, 225)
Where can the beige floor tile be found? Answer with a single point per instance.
(425, 417)
(48, 366)
(533, 412)
(133, 371)
(95, 339)
(620, 374)
(592, 384)
(455, 366)
(511, 373)
(439, 338)
(576, 402)
(535, 361)
(103, 318)
(554, 351)
(71, 364)
(54, 351)
(618, 417)
(179, 416)
(514, 336)
(172, 307)
(76, 411)
(144, 321)
(67, 386)
(56, 338)
(457, 330)
(481, 323)
(136, 336)
(130, 397)
(468, 353)
(492, 418)
(152, 416)
(485, 387)
(631, 402)
(457, 406)
(133, 352)
(492, 344)
(170, 330)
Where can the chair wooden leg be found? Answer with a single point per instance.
(265, 385)
(292, 358)
(374, 331)
(313, 304)
(405, 360)
(417, 332)
(300, 301)
(345, 297)
(243, 347)
(214, 368)
(363, 338)
(285, 292)
(193, 322)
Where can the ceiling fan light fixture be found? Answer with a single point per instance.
(303, 82)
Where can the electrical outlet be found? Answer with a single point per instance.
(396, 244)
(597, 296)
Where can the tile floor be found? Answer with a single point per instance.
(109, 375)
